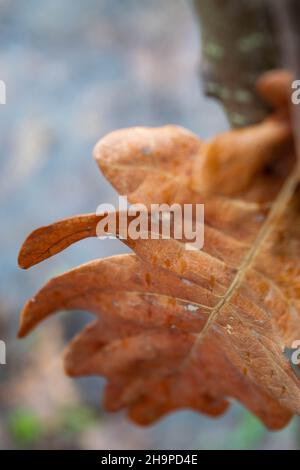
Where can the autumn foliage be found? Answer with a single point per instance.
(190, 329)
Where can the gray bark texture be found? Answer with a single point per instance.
(241, 39)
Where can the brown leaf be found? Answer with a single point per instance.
(47, 241)
(188, 329)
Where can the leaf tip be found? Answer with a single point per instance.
(23, 261)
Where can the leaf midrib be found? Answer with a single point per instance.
(277, 209)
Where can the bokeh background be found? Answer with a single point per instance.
(76, 70)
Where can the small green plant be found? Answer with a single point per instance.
(25, 427)
(76, 419)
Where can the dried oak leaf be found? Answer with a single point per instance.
(189, 329)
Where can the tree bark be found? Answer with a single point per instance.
(239, 43)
